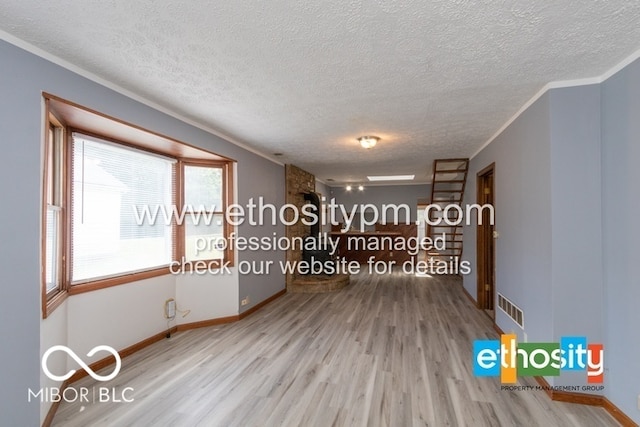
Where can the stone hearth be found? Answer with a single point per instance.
(318, 283)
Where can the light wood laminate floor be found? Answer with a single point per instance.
(392, 350)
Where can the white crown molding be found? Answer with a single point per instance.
(11, 39)
(628, 60)
(511, 120)
(557, 85)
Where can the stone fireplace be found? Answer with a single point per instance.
(300, 190)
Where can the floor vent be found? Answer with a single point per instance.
(511, 310)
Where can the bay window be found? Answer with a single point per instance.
(122, 204)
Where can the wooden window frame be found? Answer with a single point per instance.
(50, 300)
(227, 199)
(71, 118)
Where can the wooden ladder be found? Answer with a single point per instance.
(447, 188)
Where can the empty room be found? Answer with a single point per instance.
(323, 213)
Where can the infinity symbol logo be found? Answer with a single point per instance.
(80, 362)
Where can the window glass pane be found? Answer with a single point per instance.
(203, 188)
(52, 249)
(55, 180)
(50, 162)
(204, 237)
(119, 200)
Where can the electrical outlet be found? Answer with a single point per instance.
(170, 308)
(245, 301)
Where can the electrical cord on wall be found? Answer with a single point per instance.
(168, 335)
(184, 313)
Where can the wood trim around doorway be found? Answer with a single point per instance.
(484, 238)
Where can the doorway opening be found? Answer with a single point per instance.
(486, 243)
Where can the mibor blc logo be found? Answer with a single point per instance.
(71, 394)
(74, 356)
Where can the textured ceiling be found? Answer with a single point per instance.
(433, 79)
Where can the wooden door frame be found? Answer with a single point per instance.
(481, 236)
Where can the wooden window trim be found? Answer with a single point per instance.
(54, 302)
(229, 191)
(43, 217)
(75, 118)
(119, 279)
(109, 127)
(51, 300)
(227, 200)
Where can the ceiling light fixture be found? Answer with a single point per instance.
(368, 141)
(361, 187)
(391, 178)
(348, 188)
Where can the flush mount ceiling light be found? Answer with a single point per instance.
(368, 141)
(391, 178)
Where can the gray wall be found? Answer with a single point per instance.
(23, 77)
(621, 235)
(576, 218)
(567, 185)
(547, 204)
(325, 191)
(258, 177)
(20, 108)
(523, 219)
(383, 195)
(322, 188)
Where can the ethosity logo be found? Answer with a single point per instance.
(508, 359)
